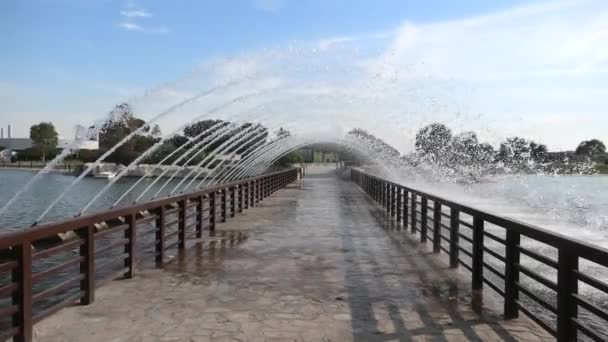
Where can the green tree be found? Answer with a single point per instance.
(289, 159)
(514, 150)
(518, 150)
(44, 138)
(464, 149)
(591, 148)
(123, 122)
(485, 154)
(538, 151)
(434, 140)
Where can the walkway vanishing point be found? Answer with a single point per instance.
(320, 262)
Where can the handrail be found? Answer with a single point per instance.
(405, 204)
(62, 226)
(53, 247)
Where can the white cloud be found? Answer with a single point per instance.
(548, 59)
(537, 70)
(130, 26)
(136, 13)
(529, 70)
(132, 16)
(545, 38)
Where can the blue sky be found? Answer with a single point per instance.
(543, 65)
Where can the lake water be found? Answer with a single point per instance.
(32, 203)
(572, 205)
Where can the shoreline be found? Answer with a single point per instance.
(34, 169)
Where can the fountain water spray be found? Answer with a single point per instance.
(225, 146)
(252, 136)
(160, 143)
(195, 150)
(128, 137)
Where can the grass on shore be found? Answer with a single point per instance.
(602, 168)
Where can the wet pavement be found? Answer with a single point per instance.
(315, 262)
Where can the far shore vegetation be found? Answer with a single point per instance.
(435, 144)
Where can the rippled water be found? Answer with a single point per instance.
(575, 205)
(25, 211)
(572, 205)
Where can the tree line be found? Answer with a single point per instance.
(434, 143)
(437, 143)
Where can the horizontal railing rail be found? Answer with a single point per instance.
(47, 267)
(505, 255)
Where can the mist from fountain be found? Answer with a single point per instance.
(191, 153)
(251, 137)
(128, 137)
(169, 156)
(324, 92)
(237, 138)
(249, 158)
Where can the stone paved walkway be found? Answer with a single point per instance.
(320, 263)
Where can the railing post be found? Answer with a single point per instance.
(181, 227)
(393, 200)
(246, 194)
(257, 191)
(454, 231)
(406, 198)
(22, 276)
(436, 226)
(223, 204)
(374, 191)
(423, 219)
(511, 274)
(87, 265)
(199, 217)
(567, 287)
(160, 237)
(130, 246)
(232, 201)
(413, 213)
(477, 250)
(212, 211)
(399, 205)
(251, 187)
(387, 193)
(240, 198)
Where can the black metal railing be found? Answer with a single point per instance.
(535, 271)
(48, 267)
